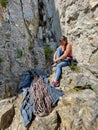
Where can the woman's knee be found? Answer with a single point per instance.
(59, 49)
(59, 66)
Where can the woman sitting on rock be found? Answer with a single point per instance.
(62, 57)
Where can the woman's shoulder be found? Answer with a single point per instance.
(69, 45)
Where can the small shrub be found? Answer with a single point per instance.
(35, 61)
(1, 60)
(30, 44)
(27, 22)
(65, 103)
(19, 52)
(48, 51)
(74, 67)
(8, 35)
(77, 88)
(3, 3)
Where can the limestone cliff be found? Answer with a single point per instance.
(29, 33)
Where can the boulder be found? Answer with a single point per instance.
(6, 113)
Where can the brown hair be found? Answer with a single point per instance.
(65, 39)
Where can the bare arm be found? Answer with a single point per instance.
(66, 52)
(54, 57)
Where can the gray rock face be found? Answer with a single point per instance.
(18, 24)
(6, 113)
(46, 123)
(77, 110)
(79, 22)
(81, 87)
(26, 27)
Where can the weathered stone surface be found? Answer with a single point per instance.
(6, 113)
(83, 76)
(46, 123)
(49, 122)
(18, 25)
(78, 111)
(25, 28)
(79, 23)
(93, 3)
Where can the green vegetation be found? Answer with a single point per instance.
(30, 44)
(48, 51)
(35, 61)
(27, 22)
(3, 3)
(19, 52)
(77, 88)
(1, 60)
(65, 103)
(74, 67)
(8, 35)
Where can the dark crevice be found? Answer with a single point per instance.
(25, 19)
(92, 72)
(95, 51)
(94, 8)
(41, 13)
(58, 122)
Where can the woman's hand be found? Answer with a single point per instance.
(56, 60)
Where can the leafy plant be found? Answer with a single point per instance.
(3, 3)
(19, 52)
(1, 60)
(77, 88)
(48, 51)
(8, 35)
(35, 61)
(74, 67)
(30, 44)
(65, 103)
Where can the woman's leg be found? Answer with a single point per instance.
(58, 69)
(58, 52)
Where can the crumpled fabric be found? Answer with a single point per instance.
(27, 106)
(27, 78)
